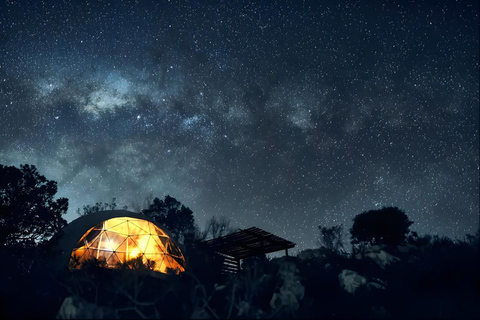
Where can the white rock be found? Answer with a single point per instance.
(291, 291)
(77, 308)
(350, 280)
(378, 255)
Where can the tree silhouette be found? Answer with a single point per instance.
(388, 225)
(28, 212)
(177, 218)
(217, 227)
(98, 206)
(332, 238)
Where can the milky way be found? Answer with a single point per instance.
(283, 116)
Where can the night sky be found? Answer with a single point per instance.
(282, 115)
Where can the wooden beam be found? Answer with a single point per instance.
(248, 243)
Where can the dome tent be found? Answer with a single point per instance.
(117, 236)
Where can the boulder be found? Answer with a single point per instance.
(350, 280)
(291, 291)
(74, 307)
(378, 255)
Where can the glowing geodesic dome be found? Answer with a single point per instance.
(119, 240)
(115, 237)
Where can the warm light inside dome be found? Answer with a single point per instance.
(119, 240)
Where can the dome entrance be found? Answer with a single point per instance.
(119, 240)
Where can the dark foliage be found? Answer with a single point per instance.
(440, 278)
(176, 218)
(28, 212)
(132, 291)
(98, 206)
(332, 238)
(28, 293)
(217, 227)
(437, 280)
(388, 225)
(431, 277)
(28, 217)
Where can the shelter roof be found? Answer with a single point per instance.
(248, 243)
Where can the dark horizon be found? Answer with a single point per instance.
(157, 264)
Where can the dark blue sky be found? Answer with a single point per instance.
(281, 115)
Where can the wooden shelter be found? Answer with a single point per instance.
(246, 243)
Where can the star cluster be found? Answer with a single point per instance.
(282, 115)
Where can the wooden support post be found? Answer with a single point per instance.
(286, 252)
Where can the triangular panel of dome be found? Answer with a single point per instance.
(112, 223)
(103, 254)
(122, 247)
(95, 244)
(92, 235)
(113, 261)
(121, 256)
(159, 231)
(142, 224)
(135, 230)
(79, 253)
(179, 261)
(105, 243)
(114, 239)
(120, 228)
(167, 262)
(157, 257)
(172, 264)
(79, 244)
(161, 244)
(140, 241)
(151, 228)
(173, 249)
(133, 250)
(143, 243)
(89, 254)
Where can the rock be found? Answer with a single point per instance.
(291, 291)
(350, 280)
(378, 255)
(77, 308)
